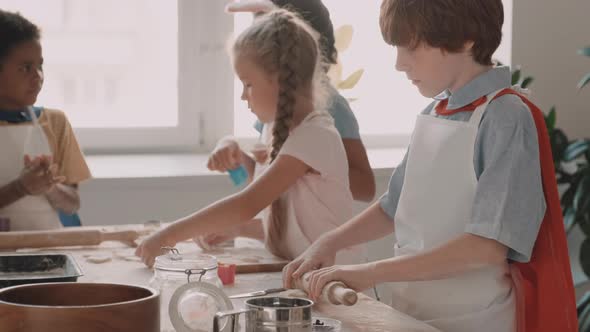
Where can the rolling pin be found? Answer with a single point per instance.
(260, 267)
(335, 292)
(64, 238)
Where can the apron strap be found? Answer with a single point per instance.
(480, 110)
(477, 113)
(33, 116)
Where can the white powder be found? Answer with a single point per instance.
(53, 273)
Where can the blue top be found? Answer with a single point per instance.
(509, 203)
(344, 119)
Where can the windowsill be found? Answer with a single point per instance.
(145, 166)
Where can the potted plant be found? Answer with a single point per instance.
(577, 201)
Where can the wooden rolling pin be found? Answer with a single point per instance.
(335, 292)
(64, 238)
(260, 267)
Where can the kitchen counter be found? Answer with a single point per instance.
(367, 315)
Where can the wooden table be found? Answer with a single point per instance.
(367, 315)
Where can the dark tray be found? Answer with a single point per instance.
(19, 269)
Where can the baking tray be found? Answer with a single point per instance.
(19, 269)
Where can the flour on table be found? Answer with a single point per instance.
(98, 258)
(126, 255)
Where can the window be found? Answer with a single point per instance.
(382, 93)
(154, 75)
(125, 72)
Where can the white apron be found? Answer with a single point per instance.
(434, 207)
(30, 212)
(295, 240)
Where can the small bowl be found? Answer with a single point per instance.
(89, 307)
(325, 324)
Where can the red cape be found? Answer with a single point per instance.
(544, 286)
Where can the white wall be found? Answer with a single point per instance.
(546, 37)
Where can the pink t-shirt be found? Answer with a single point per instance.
(320, 200)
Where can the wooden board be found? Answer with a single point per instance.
(249, 256)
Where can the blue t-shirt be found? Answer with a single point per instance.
(509, 203)
(344, 119)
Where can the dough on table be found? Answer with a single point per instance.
(98, 258)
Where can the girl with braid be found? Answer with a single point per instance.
(228, 154)
(303, 190)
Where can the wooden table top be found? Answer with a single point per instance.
(123, 267)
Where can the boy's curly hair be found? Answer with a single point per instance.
(14, 30)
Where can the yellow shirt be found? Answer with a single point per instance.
(64, 146)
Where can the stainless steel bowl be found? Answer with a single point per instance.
(272, 314)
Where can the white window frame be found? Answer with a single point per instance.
(205, 92)
(204, 99)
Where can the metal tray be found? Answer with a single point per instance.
(19, 269)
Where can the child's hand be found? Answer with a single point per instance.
(318, 255)
(152, 246)
(252, 6)
(358, 277)
(226, 155)
(39, 175)
(260, 153)
(206, 242)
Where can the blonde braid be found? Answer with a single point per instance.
(287, 43)
(281, 43)
(286, 39)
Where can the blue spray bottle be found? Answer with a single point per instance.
(239, 175)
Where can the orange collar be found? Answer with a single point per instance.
(441, 108)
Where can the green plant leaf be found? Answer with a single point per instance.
(584, 222)
(515, 77)
(352, 80)
(584, 213)
(562, 177)
(585, 80)
(576, 149)
(585, 256)
(582, 193)
(584, 320)
(567, 198)
(584, 51)
(583, 198)
(550, 119)
(343, 37)
(526, 82)
(569, 219)
(583, 302)
(559, 142)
